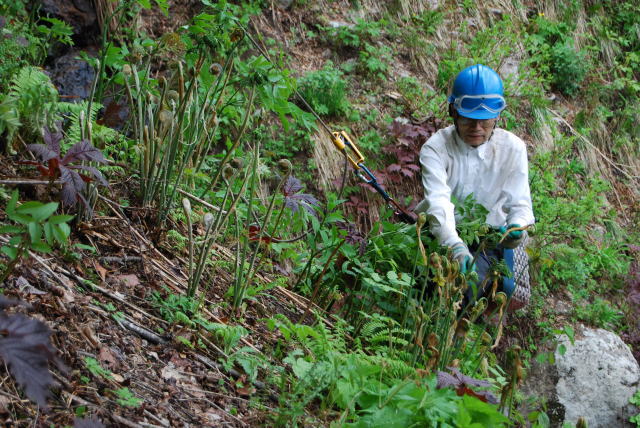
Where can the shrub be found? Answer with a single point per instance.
(375, 61)
(325, 90)
(568, 68)
(355, 36)
(552, 48)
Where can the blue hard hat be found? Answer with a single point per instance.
(478, 93)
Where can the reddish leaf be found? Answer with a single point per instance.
(254, 234)
(72, 185)
(407, 172)
(485, 396)
(294, 199)
(83, 150)
(26, 349)
(42, 151)
(94, 171)
(462, 384)
(52, 138)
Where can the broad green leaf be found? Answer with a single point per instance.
(39, 211)
(23, 219)
(58, 234)
(48, 233)
(85, 247)
(11, 230)
(35, 232)
(145, 3)
(375, 277)
(65, 229)
(41, 247)
(11, 252)
(63, 218)
(486, 415)
(11, 205)
(562, 349)
(568, 330)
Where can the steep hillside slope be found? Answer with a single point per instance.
(235, 272)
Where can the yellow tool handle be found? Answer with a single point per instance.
(341, 140)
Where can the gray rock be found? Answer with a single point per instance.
(72, 76)
(80, 14)
(594, 379)
(510, 68)
(338, 24)
(561, 307)
(284, 4)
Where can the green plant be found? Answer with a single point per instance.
(247, 266)
(228, 335)
(325, 90)
(375, 61)
(577, 240)
(96, 369)
(635, 400)
(56, 31)
(371, 140)
(553, 49)
(30, 101)
(175, 308)
(176, 117)
(366, 389)
(18, 48)
(35, 228)
(126, 398)
(568, 68)
(599, 313)
(429, 20)
(65, 167)
(419, 101)
(15, 8)
(281, 144)
(214, 224)
(355, 36)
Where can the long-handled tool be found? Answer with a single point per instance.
(342, 142)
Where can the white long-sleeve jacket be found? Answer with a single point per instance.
(496, 173)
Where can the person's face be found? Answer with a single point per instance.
(474, 132)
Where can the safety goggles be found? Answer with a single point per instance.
(493, 103)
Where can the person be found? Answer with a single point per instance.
(475, 157)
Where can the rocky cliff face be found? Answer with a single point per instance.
(594, 379)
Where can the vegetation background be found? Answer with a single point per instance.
(182, 244)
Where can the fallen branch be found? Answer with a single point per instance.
(142, 332)
(200, 201)
(123, 260)
(27, 182)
